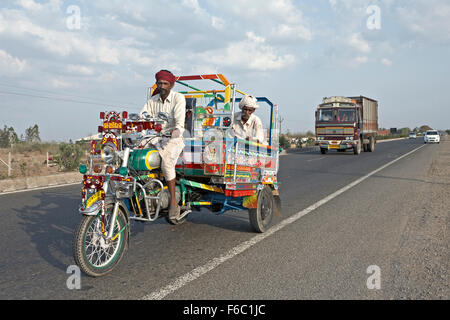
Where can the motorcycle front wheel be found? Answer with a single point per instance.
(92, 252)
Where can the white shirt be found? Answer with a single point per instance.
(252, 128)
(174, 106)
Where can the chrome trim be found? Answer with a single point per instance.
(92, 210)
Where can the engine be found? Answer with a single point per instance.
(153, 189)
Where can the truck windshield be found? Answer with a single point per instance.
(346, 115)
(325, 115)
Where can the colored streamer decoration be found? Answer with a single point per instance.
(250, 202)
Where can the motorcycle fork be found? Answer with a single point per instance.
(113, 221)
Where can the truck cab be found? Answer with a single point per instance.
(346, 123)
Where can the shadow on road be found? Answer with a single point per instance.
(50, 225)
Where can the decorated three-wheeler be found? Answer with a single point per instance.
(217, 170)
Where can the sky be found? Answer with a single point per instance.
(63, 62)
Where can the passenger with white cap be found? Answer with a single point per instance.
(246, 125)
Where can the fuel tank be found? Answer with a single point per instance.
(144, 159)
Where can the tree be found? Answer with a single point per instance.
(69, 155)
(32, 134)
(404, 131)
(284, 143)
(8, 137)
(425, 128)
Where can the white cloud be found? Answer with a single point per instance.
(278, 20)
(285, 31)
(360, 60)
(425, 21)
(386, 62)
(80, 70)
(249, 54)
(60, 83)
(215, 22)
(30, 5)
(358, 43)
(107, 76)
(11, 65)
(61, 43)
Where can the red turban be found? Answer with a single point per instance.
(165, 75)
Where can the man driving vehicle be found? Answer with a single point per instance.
(174, 104)
(247, 125)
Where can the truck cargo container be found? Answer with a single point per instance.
(344, 123)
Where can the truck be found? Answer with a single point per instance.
(347, 123)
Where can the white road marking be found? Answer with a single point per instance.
(201, 270)
(41, 188)
(315, 159)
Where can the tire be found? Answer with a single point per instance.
(261, 217)
(366, 147)
(357, 148)
(371, 145)
(89, 232)
(323, 151)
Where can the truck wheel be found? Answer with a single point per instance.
(371, 145)
(261, 217)
(323, 151)
(357, 148)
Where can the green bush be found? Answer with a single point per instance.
(69, 156)
(284, 143)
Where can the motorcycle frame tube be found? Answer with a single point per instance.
(157, 198)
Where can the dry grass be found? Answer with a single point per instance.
(29, 160)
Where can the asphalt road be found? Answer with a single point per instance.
(325, 254)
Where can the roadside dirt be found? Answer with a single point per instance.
(27, 164)
(424, 247)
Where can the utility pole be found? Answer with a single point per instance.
(281, 120)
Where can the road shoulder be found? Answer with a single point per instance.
(420, 263)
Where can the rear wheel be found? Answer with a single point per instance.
(323, 151)
(371, 145)
(261, 217)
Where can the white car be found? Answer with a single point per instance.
(431, 136)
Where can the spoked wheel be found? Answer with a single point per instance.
(92, 252)
(261, 217)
